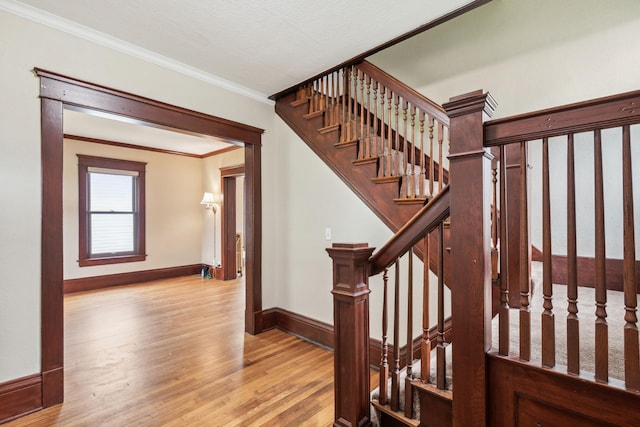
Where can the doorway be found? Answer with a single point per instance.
(58, 92)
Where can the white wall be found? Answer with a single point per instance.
(23, 46)
(531, 55)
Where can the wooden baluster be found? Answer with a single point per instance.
(441, 351)
(547, 316)
(336, 105)
(390, 96)
(325, 99)
(348, 136)
(440, 155)
(573, 330)
(422, 155)
(631, 345)
(384, 361)
(525, 312)
(344, 112)
(396, 142)
(362, 143)
(367, 124)
(354, 118)
(408, 389)
(395, 374)
(432, 173)
(425, 353)
(494, 220)
(602, 331)
(374, 144)
(403, 171)
(503, 320)
(413, 164)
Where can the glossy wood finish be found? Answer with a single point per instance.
(470, 165)
(20, 397)
(351, 325)
(548, 317)
(228, 221)
(58, 92)
(174, 352)
(109, 280)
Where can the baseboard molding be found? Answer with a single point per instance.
(99, 282)
(305, 327)
(322, 333)
(20, 397)
(587, 271)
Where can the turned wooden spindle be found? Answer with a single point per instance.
(384, 360)
(525, 312)
(573, 329)
(548, 318)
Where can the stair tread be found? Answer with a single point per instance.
(385, 179)
(397, 415)
(431, 388)
(299, 102)
(345, 143)
(411, 200)
(331, 128)
(313, 114)
(365, 161)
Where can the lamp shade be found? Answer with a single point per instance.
(207, 199)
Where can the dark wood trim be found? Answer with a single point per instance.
(305, 327)
(85, 258)
(425, 220)
(20, 397)
(235, 170)
(58, 92)
(221, 151)
(228, 221)
(109, 280)
(96, 99)
(153, 149)
(585, 116)
(587, 271)
(464, 9)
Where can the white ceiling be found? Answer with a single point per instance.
(254, 47)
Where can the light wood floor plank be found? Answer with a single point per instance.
(173, 353)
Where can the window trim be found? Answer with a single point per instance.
(139, 253)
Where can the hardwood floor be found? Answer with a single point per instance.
(173, 353)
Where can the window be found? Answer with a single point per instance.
(111, 211)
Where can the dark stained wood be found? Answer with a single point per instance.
(20, 397)
(228, 221)
(384, 360)
(441, 350)
(425, 344)
(548, 317)
(601, 328)
(233, 170)
(574, 400)
(586, 116)
(351, 325)
(469, 168)
(573, 326)
(131, 146)
(395, 371)
(631, 343)
(310, 329)
(88, 97)
(51, 342)
(524, 248)
(504, 326)
(58, 92)
(424, 221)
(439, 404)
(99, 282)
(408, 390)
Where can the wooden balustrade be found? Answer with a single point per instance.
(599, 125)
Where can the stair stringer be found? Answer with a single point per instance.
(378, 197)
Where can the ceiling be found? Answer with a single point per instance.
(253, 47)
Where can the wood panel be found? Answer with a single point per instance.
(100, 282)
(523, 395)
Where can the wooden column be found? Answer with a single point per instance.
(470, 180)
(351, 329)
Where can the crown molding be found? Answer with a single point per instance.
(86, 33)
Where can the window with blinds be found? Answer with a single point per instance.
(111, 210)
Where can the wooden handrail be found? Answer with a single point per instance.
(399, 88)
(425, 220)
(601, 113)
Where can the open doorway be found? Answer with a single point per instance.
(59, 92)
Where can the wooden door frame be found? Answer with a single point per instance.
(58, 92)
(228, 177)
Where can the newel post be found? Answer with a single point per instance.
(470, 180)
(351, 330)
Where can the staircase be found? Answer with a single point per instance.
(387, 143)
